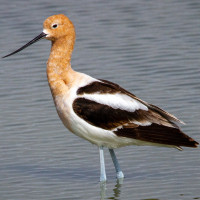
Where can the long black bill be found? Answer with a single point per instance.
(42, 35)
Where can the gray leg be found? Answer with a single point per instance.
(102, 166)
(119, 172)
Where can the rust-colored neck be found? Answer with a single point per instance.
(59, 71)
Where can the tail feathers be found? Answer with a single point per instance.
(165, 114)
(158, 134)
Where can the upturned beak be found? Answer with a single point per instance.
(42, 35)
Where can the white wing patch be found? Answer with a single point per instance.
(117, 101)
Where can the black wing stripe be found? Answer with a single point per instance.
(103, 87)
(104, 116)
(98, 87)
(158, 134)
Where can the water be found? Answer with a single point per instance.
(150, 48)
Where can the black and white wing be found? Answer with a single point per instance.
(108, 106)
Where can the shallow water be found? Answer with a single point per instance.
(150, 48)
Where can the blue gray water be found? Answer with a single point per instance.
(151, 48)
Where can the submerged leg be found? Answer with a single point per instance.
(119, 172)
(102, 166)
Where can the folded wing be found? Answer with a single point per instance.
(108, 106)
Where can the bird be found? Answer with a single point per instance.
(100, 111)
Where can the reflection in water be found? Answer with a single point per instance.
(103, 191)
(116, 190)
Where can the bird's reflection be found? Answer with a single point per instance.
(116, 190)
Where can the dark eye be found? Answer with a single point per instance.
(54, 25)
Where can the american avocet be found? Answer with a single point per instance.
(98, 110)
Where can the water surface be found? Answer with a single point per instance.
(151, 48)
